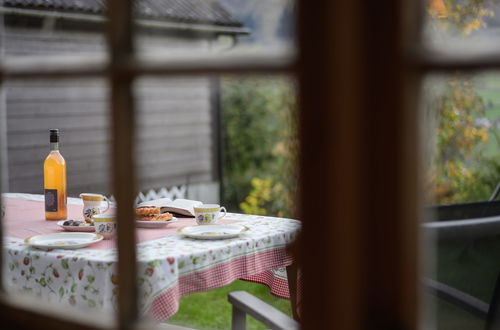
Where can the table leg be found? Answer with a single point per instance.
(291, 273)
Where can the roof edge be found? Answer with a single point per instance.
(149, 23)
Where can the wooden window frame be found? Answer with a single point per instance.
(359, 77)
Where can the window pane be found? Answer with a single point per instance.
(52, 27)
(229, 141)
(78, 108)
(176, 145)
(464, 25)
(194, 27)
(37, 33)
(36, 190)
(461, 114)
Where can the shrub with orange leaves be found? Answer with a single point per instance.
(461, 16)
(455, 169)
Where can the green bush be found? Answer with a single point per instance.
(460, 171)
(260, 144)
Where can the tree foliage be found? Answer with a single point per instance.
(259, 145)
(458, 135)
(459, 171)
(461, 16)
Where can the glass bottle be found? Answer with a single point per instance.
(54, 181)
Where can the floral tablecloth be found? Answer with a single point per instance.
(169, 267)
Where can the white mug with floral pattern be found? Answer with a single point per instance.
(208, 214)
(105, 224)
(92, 205)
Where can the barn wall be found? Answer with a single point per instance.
(175, 137)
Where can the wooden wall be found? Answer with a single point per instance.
(175, 137)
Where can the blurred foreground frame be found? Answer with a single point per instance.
(356, 131)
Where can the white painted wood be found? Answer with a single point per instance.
(246, 303)
(91, 93)
(238, 319)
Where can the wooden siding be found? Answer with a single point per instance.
(174, 121)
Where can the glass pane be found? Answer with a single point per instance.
(52, 28)
(45, 175)
(461, 112)
(41, 183)
(176, 125)
(194, 27)
(462, 25)
(229, 141)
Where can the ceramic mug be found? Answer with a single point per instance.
(207, 214)
(105, 224)
(92, 205)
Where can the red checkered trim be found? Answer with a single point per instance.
(254, 265)
(277, 286)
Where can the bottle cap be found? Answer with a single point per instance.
(54, 135)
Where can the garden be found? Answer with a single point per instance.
(461, 125)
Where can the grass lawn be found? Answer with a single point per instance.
(211, 310)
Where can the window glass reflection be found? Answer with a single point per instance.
(462, 130)
(463, 115)
(462, 24)
(230, 141)
(228, 26)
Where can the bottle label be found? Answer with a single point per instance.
(50, 200)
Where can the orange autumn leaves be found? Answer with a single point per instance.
(437, 9)
(466, 16)
(458, 107)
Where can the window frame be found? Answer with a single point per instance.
(337, 40)
(121, 69)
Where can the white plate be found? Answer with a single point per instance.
(213, 231)
(154, 224)
(63, 240)
(76, 228)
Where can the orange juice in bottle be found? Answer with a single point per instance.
(54, 181)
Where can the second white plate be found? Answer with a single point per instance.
(63, 240)
(154, 224)
(213, 231)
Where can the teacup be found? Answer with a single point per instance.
(207, 214)
(92, 205)
(105, 224)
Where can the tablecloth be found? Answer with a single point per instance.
(169, 265)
